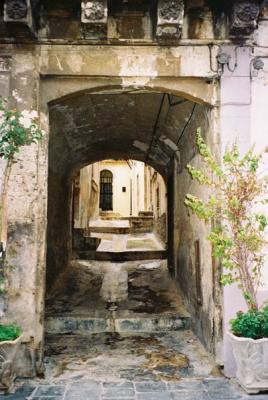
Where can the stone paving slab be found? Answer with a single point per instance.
(190, 389)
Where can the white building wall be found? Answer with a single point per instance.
(244, 100)
(121, 179)
(137, 175)
(128, 174)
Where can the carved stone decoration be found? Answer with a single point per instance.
(170, 10)
(251, 361)
(8, 353)
(244, 17)
(264, 10)
(18, 14)
(92, 11)
(169, 20)
(94, 17)
(16, 9)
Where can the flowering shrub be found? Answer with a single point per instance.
(17, 129)
(238, 236)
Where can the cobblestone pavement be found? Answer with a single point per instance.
(163, 366)
(207, 389)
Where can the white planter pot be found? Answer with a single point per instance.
(252, 362)
(8, 351)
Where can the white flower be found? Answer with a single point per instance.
(34, 114)
(26, 122)
(29, 114)
(26, 114)
(16, 96)
(2, 118)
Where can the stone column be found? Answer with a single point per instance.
(26, 210)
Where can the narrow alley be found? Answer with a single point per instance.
(118, 330)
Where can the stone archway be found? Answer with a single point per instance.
(147, 125)
(54, 91)
(89, 127)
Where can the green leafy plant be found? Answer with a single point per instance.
(9, 332)
(238, 233)
(251, 324)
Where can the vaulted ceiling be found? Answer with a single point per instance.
(144, 126)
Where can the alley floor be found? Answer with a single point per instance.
(163, 366)
(210, 388)
(119, 331)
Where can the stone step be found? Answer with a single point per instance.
(148, 324)
(137, 226)
(121, 256)
(146, 214)
(81, 242)
(109, 215)
(123, 230)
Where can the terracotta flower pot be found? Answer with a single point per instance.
(252, 362)
(8, 351)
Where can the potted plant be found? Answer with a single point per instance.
(238, 240)
(17, 129)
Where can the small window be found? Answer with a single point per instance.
(124, 189)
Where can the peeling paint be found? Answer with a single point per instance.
(138, 65)
(75, 62)
(135, 82)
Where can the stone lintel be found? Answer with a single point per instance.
(122, 61)
(18, 16)
(244, 17)
(94, 18)
(169, 20)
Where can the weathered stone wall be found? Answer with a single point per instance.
(26, 212)
(85, 201)
(196, 282)
(160, 227)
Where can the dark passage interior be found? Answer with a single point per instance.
(92, 292)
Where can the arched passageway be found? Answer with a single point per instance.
(158, 129)
(85, 128)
